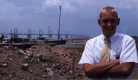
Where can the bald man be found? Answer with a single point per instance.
(116, 63)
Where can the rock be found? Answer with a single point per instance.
(26, 57)
(50, 72)
(25, 66)
(21, 52)
(5, 65)
(28, 52)
(44, 76)
(42, 58)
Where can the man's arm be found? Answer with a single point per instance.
(100, 69)
(122, 70)
(128, 58)
(112, 69)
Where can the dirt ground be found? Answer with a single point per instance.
(42, 62)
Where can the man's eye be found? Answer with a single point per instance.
(106, 21)
(112, 21)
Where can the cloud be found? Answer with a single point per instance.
(74, 6)
(8, 11)
(66, 5)
(77, 14)
(52, 2)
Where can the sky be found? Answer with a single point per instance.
(77, 16)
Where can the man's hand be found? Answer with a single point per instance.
(115, 62)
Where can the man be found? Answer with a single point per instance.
(110, 55)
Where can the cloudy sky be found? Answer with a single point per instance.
(78, 16)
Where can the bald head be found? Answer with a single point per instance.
(110, 10)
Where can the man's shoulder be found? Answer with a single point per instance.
(95, 38)
(124, 36)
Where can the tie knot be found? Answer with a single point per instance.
(107, 40)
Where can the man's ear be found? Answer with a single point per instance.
(99, 22)
(118, 21)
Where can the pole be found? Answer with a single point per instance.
(48, 30)
(73, 67)
(59, 22)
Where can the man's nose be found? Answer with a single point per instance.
(109, 23)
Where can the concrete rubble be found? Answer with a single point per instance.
(40, 62)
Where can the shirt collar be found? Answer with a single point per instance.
(111, 38)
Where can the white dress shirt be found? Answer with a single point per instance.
(121, 45)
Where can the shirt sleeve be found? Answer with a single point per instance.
(87, 55)
(129, 52)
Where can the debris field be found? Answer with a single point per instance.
(40, 62)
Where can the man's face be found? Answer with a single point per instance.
(108, 23)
